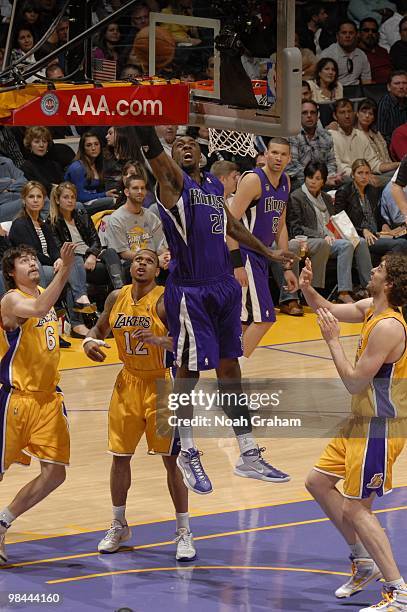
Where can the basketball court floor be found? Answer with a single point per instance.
(261, 546)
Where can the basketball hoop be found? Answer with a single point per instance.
(239, 143)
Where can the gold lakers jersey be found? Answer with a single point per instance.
(128, 316)
(30, 353)
(386, 396)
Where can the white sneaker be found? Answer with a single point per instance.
(3, 556)
(393, 601)
(116, 535)
(363, 572)
(185, 545)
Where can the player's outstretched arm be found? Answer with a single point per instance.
(383, 346)
(238, 232)
(95, 338)
(15, 306)
(347, 313)
(166, 171)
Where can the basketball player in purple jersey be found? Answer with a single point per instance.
(260, 202)
(202, 298)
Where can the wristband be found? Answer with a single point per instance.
(98, 342)
(287, 267)
(149, 141)
(236, 258)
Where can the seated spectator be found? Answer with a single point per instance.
(181, 33)
(315, 17)
(40, 165)
(325, 86)
(86, 173)
(139, 19)
(4, 245)
(122, 145)
(351, 144)
(72, 224)
(379, 58)
(167, 135)
(54, 72)
(398, 144)
(366, 117)
(312, 144)
(306, 93)
(130, 72)
(108, 44)
(389, 30)
(398, 51)
(398, 184)
(308, 212)
(359, 10)
(133, 167)
(29, 15)
(228, 173)
(352, 62)
(12, 180)
(309, 59)
(209, 71)
(392, 110)
(361, 201)
(29, 229)
(10, 147)
(260, 160)
(389, 211)
(23, 43)
(132, 227)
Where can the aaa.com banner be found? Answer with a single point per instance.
(138, 105)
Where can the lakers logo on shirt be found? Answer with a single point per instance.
(376, 481)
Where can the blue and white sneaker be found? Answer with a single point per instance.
(193, 474)
(252, 465)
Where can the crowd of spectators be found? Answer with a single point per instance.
(102, 195)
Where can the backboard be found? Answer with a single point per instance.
(274, 113)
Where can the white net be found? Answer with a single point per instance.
(239, 143)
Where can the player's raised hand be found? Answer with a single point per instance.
(284, 257)
(68, 254)
(93, 349)
(306, 275)
(328, 324)
(147, 336)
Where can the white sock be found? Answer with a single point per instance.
(119, 514)
(246, 442)
(395, 584)
(187, 437)
(359, 551)
(6, 518)
(182, 520)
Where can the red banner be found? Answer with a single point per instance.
(138, 105)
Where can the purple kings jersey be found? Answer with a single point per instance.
(263, 215)
(195, 229)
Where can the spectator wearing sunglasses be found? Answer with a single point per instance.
(352, 62)
(398, 52)
(379, 58)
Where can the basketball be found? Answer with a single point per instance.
(164, 47)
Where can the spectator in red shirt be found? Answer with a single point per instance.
(379, 58)
(398, 144)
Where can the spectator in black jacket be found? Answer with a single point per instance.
(361, 201)
(29, 229)
(40, 165)
(69, 224)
